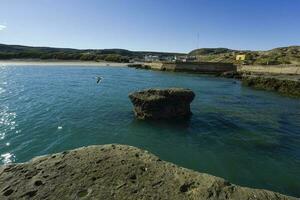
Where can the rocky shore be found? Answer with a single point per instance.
(286, 80)
(285, 84)
(191, 67)
(115, 172)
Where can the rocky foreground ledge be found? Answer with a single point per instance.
(115, 172)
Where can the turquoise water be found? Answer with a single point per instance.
(246, 136)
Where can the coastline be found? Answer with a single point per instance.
(288, 85)
(284, 83)
(284, 79)
(19, 62)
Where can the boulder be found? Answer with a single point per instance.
(115, 172)
(162, 103)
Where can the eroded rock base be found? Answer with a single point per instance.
(162, 103)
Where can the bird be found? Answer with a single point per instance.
(98, 79)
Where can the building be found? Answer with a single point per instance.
(168, 58)
(191, 59)
(180, 58)
(185, 58)
(151, 58)
(240, 57)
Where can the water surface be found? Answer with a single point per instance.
(246, 136)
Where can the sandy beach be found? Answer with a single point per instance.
(21, 62)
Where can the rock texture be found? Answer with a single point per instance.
(289, 85)
(115, 172)
(139, 66)
(230, 74)
(191, 67)
(162, 103)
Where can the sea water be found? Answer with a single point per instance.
(246, 136)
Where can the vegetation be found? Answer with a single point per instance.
(111, 55)
(284, 55)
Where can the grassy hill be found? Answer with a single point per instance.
(282, 55)
(114, 55)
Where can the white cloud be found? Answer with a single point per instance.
(2, 27)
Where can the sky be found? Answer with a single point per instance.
(151, 25)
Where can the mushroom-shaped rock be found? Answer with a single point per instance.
(162, 103)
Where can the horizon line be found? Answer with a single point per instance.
(154, 51)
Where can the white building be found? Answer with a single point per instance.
(151, 58)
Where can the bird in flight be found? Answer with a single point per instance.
(99, 79)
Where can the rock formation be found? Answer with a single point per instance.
(115, 172)
(230, 74)
(162, 103)
(285, 84)
(139, 66)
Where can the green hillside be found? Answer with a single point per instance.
(114, 55)
(282, 55)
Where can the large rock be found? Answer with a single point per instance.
(115, 172)
(162, 103)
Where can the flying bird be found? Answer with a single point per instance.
(99, 79)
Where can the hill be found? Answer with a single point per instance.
(282, 55)
(114, 55)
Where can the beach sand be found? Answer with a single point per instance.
(22, 62)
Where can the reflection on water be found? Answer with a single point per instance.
(246, 136)
(7, 158)
(2, 90)
(7, 120)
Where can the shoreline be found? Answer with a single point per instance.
(19, 62)
(286, 84)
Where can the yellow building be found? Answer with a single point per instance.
(241, 57)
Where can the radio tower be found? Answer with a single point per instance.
(198, 40)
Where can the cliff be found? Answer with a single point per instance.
(115, 172)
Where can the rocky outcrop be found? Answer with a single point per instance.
(115, 172)
(162, 103)
(230, 74)
(192, 67)
(139, 66)
(289, 85)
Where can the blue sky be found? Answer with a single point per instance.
(158, 25)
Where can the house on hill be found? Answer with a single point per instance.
(240, 57)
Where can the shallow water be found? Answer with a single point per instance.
(246, 136)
